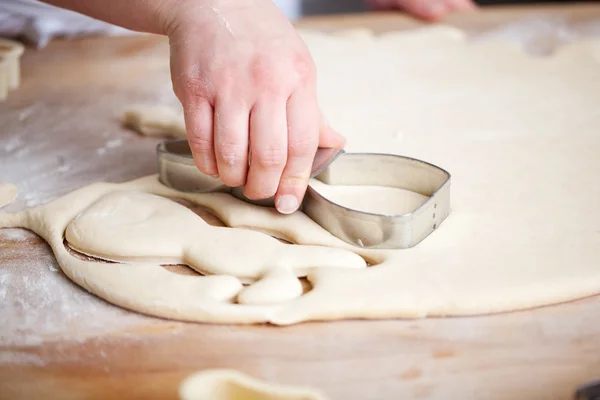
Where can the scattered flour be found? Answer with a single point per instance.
(63, 168)
(13, 144)
(13, 357)
(40, 304)
(109, 144)
(15, 235)
(47, 150)
(27, 112)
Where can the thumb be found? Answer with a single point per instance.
(328, 137)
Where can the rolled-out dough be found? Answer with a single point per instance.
(155, 121)
(8, 192)
(518, 133)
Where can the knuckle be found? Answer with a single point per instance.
(302, 146)
(224, 78)
(202, 149)
(231, 154)
(190, 86)
(260, 192)
(194, 86)
(269, 157)
(262, 68)
(200, 144)
(272, 74)
(305, 69)
(266, 72)
(295, 180)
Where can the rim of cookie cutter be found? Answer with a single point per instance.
(381, 231)
(176, 153)
(178, 170)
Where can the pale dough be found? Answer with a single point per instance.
(155, 121)
(518, 133)
(10, 66)
(371, 199)
(8, 192)
(224, 384)
(129, 226)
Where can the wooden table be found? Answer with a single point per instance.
(60, 131)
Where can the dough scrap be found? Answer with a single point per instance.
(155, 121)
(8, 192)
(518, 133)
(130, 226)
(224, 384)
(10, 66)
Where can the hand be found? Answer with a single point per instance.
(247, 84)
(432, 10)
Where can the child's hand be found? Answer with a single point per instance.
(425, 9)
(248, 86)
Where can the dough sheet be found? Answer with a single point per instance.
(518, 133)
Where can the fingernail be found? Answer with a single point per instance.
(287, 204)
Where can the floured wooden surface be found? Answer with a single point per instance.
(62, 133)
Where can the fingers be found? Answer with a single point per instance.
(303, 140)
(424, 9)
(199, 125)
(231, 141)
(462, 5)
(328, 137)
(431, 10)
(268, 148)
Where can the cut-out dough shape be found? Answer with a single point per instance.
(155, 121)
(524, 230)
(130, 226)
(225, 384)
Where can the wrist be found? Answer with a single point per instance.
(137, 15)
(175, 15)
(165, 15)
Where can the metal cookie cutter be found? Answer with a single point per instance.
(368, 230)
(380, 231)
(178, 170)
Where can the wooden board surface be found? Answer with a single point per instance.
(60, 131)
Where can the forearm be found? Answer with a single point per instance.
(138, 15)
